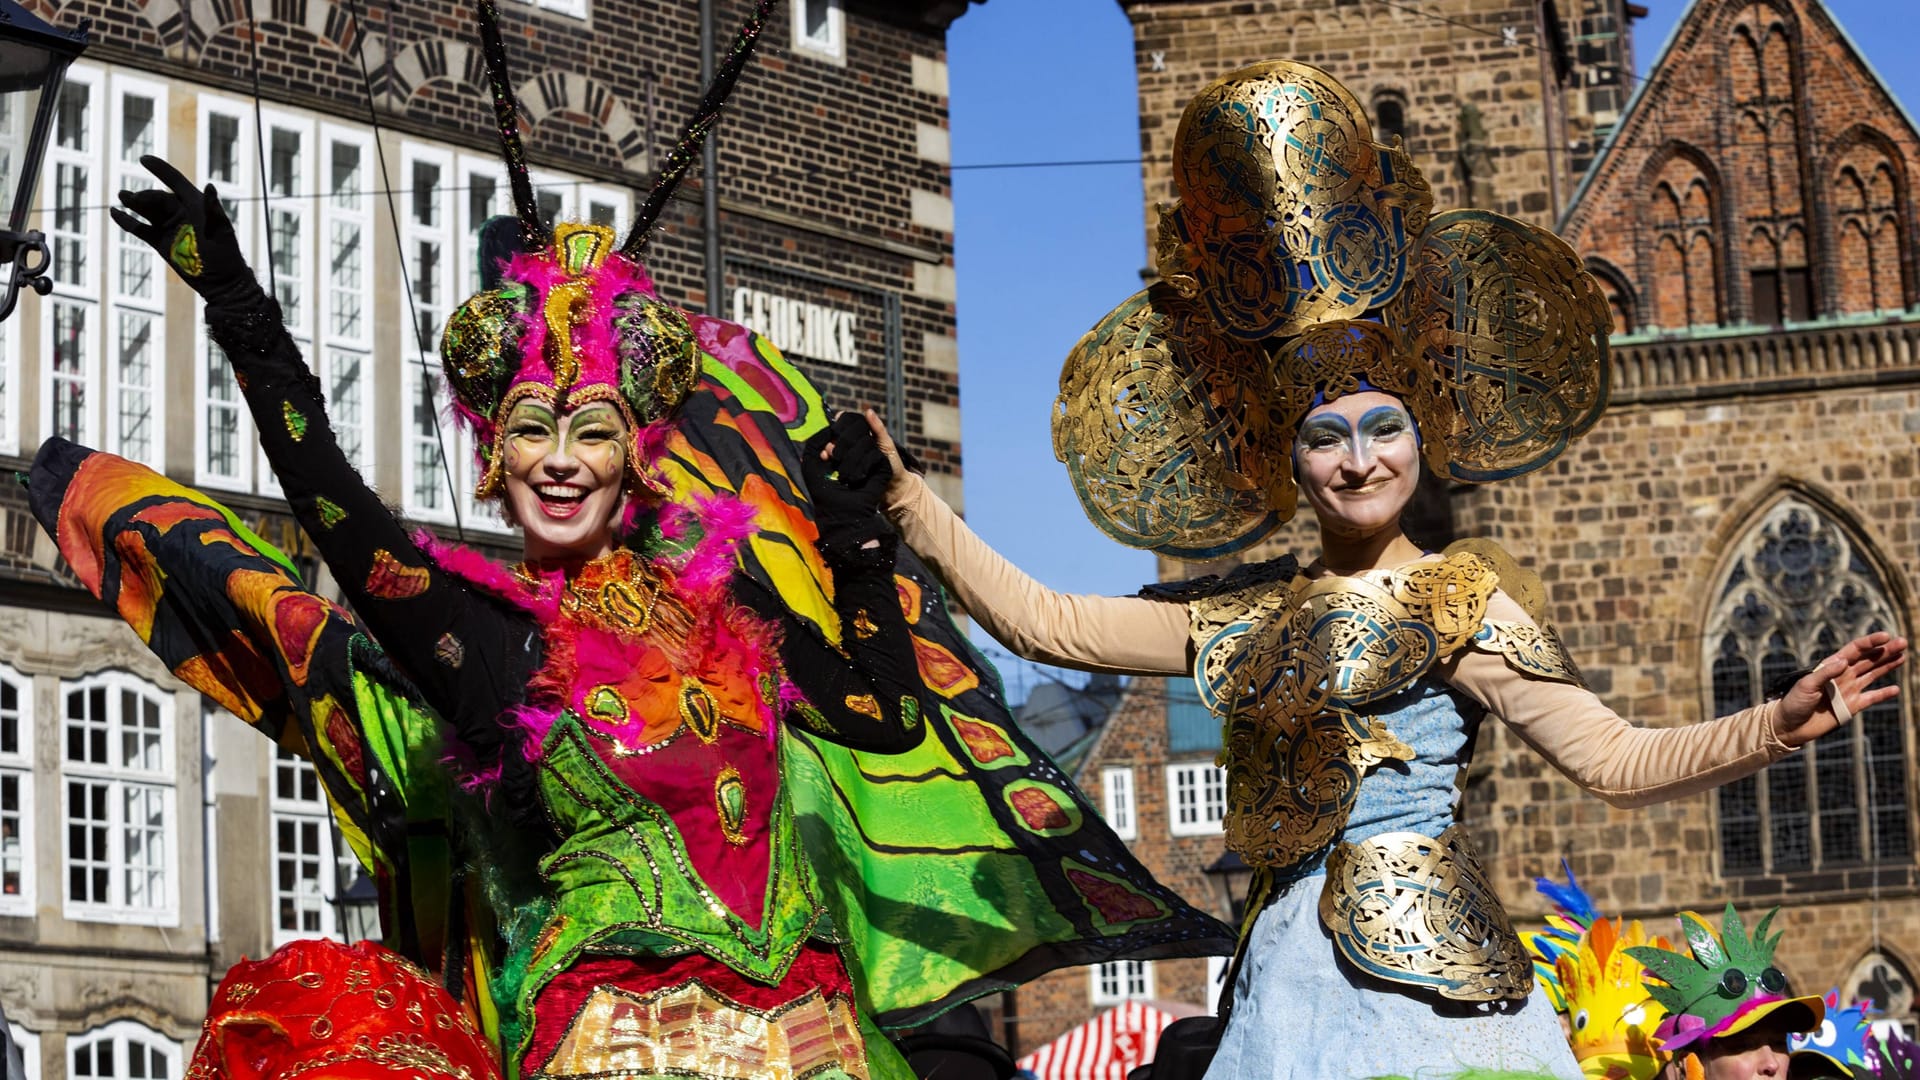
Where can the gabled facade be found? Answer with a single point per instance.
(1748, 501)
(1762, 176)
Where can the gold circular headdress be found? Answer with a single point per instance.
(1302, 261)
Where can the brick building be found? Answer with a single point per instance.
(147, 841)
(1748, 501)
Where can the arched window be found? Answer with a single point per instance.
(1796, 589)
(117, 778)
(16, 793)
(1389, 118)
(123, 1050)
(1886, 982)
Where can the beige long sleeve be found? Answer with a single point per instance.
(1127, 635)
(1625, 765)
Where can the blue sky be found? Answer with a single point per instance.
(1043, 253)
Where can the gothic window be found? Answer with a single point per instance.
(1620, 301)
(1866, 202)
(1685, 288)
(1798, 588)
(1884, 981)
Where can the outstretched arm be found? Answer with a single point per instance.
(469, 655)
(1631, 766)
(1123, 634)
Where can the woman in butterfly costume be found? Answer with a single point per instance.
(1319, 330)
(619, 798)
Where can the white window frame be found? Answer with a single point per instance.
(83, 294)
(246, 225)
(300, 205)
(314, 812)
(573, 9)
(413, 354)
(1118, 802)
(336, 345)
(467, 223)
(1217, 969)
(1205, 787)
(128, 174)
(830, 46)
(119, 779)
(16, 765)
(11, 387)
(29, 1044)
(13, 145)
(1119, 981)
(121, 1035)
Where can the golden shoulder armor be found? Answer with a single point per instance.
(1288, 649)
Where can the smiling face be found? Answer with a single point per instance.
(1357, 460)
(565, 477)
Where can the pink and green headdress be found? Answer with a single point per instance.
(1727, 985)
(574, 318)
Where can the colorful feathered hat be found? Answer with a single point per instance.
(574, 317)
(1582, 963)
(1304, 261)
(1727, 985)
(1843, 1038)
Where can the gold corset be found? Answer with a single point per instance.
(1294, 666)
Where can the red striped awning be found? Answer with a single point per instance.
(1107, 1046)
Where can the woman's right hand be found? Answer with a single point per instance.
(190, 230)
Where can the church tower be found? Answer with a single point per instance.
(1500, 102)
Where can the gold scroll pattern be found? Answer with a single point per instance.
(688, 1030)
(1292, 665)
(1419, 911)
(1302, 262)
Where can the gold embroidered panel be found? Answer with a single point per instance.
(688, 1030)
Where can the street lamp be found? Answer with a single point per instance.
(1230, 879)
(357, 906)
(33, 63)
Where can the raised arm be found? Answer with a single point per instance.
(469, 655)
(1630, 766)
(1127, 635)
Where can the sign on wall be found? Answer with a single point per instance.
(800, 327)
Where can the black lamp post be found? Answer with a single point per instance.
(1230, 879)
(33, 63)
(357, 907)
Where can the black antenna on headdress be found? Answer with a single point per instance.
(681, 160)
(506, 116)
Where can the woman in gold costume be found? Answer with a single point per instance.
(1319, 330)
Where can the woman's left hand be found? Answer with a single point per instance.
(846, 476)
(1808, 710)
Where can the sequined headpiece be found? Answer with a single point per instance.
(574, 324)
(1303, 261)
(574, 318)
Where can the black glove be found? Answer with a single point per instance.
(190, 230)
(847, 488)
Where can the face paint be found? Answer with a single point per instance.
(565, 477)
(1357, 459)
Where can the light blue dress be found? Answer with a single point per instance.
(1302, 1012)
